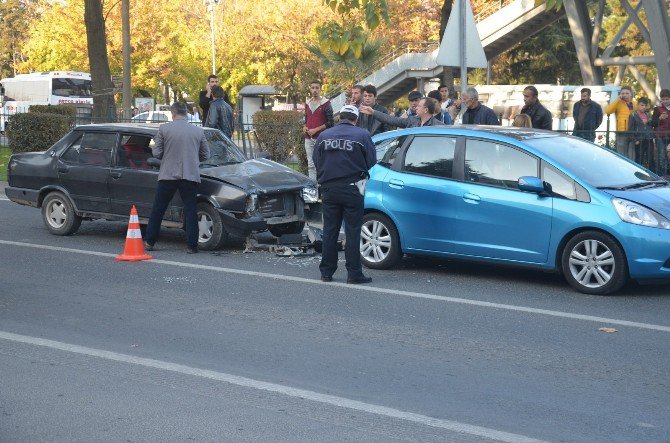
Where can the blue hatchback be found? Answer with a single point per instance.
(517, 196)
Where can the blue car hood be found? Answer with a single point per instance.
(657, 199)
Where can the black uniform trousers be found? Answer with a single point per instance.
(342, 203)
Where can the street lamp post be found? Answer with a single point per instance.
(210, 7)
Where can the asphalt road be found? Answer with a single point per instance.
(253, 347)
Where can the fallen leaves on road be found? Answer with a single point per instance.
(608, 330)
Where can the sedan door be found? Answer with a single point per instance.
(83, 170)
(495, 218)
(418, 193)
(133, 181)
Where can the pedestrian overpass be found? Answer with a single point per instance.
(506, 23)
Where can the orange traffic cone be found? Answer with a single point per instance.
(134, 250)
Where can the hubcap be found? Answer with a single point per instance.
(56, 215)
(375, 241)
(205, 227)
(592, 263)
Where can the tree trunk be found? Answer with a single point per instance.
(104, 108)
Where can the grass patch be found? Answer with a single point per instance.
(4, 159)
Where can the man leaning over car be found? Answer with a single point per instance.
(181, 146)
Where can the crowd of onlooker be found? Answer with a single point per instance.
(642, 129)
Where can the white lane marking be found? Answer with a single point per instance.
(371, 289)
(332, 400)
(4, 199)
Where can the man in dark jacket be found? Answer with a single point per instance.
(343, 155)
(476, 113)
(220, 114)
(368, 122)
(424, 115)
(588, 116)
(539, 115)
(206, 96)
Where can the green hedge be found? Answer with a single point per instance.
(280, 134)
(34, 131)
(69, 111)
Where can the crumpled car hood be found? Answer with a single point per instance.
(263, 175)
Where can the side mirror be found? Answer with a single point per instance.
(531, 184)
(154, 162)
(263, 154)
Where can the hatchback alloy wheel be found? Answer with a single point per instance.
(594, 263)
(380, 247)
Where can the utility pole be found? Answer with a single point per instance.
(125, 31)
(210, 7)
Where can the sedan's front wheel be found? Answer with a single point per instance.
(211, 233)
(58, 214)
(593, 263)
(380, 244)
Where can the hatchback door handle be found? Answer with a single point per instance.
(471, 198)
(395, 183)
(115, 175)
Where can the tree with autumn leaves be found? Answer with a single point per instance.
(272, 43)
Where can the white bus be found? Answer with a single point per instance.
(45, 88)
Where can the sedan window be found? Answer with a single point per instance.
(93, 149)
(496, 164)
(134, 152)
(431, 156)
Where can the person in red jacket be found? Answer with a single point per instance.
(660, 121)
(318, 116)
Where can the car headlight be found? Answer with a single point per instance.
(310, 194)
(637, 214)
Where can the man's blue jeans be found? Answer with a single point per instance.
(188, 191)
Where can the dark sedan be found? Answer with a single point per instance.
(100, 171)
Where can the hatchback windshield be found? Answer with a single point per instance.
(222, 150)
(595, 165)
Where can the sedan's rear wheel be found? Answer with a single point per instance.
(211, 233)
(58, 214)
(380, 244)
(593, 263)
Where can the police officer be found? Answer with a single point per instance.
(342, 156)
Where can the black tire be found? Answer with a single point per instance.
(211, 233)
(592, 262)
(380, 243)
(58, 214)
(286, 228)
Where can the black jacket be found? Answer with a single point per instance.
(374, 126)
(539, 115)
(481, 115)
